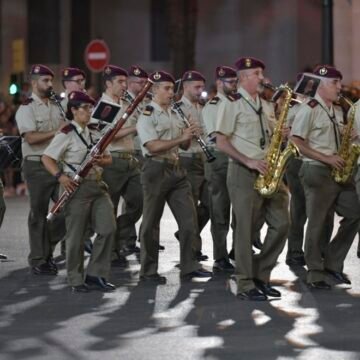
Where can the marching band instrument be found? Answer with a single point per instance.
(98, 149)
(54, 97)
(269, 183)
(209, 156)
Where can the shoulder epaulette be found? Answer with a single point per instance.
(214, 100)
(234, 97)
(93, 126)
(28, 101)
(312, 103)
(148, 110)
(66, 129)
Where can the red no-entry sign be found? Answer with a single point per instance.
(97, 55)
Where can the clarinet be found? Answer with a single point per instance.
(209, 156)
(98, 149)
(53, 97)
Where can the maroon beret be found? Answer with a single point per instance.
(249, 63)
(39, 69)
(79, 97)
(327, 71)
(192, 75)
(224, 72)
(70, 72)
(160, 76)
(137, 71)
(112, 70)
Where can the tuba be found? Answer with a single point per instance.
(276, 158)
(348, 151)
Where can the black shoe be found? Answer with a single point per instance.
(266, 289)
(121, 261)
(223, 265)
(200, 256)
(253, 295)
(88, 246)
(131, 249)
(200, 273)
(320, 285)
(257, 244)
(339, 276)
(161, 247)
(296, 261)
(51, 263)
(99, 283)
(3, 257)
(232, 254)
(155, 278)
(83, 288)
(43, 269)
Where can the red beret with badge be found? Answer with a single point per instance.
(193, 75)
(69, 72)
(42, 70)
(245, 63)
(161, 76)
(225, 72)
(137, 71)
(79, 97)
(111, 71)
(327, 71)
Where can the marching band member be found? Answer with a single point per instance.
(90, 204)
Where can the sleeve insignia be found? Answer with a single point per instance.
(148, 110)
(234, 97)
(312, 103)
(214, 100)
(67, 129)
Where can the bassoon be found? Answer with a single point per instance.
(98, 149)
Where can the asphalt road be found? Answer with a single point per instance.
(41, 319)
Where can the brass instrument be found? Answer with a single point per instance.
(347, 151)
(268, 184)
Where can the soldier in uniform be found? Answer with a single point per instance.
(123, 175)
(90, 204)
(216, 171)
(316, 132)
(2, 212)
(243, 132)
(193, 159)
(73, 79)
(38, 119)
(162, 132)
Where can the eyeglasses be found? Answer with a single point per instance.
(78, 81)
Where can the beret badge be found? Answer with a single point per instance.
(248, 62)
(323, 71)
(157, 76)
(137, 71)
(221, 72)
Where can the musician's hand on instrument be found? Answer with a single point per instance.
(98, 159)
(189, 132)
(68, 184)
(285, 132)
(258, 165)
(335, 161)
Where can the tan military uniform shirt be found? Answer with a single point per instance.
(313, 124)
(37, 116)
(239, 122)
(357, 124)
(134, 117)
(209, 115)
(126, 143)
(195, 112)
(159, 124)
(68, 148)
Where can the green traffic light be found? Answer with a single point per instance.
(13, 89)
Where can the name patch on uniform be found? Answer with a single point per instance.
(148, 110)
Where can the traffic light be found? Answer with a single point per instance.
(14, 86)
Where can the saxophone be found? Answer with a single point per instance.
(268, 184)
(348, 151)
